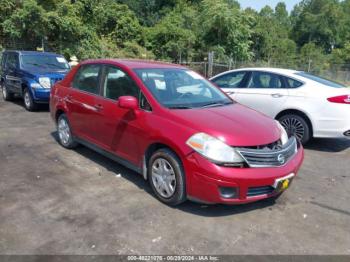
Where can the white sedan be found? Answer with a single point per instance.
(306, 105)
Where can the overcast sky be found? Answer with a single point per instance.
(258, 4)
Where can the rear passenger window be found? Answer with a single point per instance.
(3, 60)
(87, 79)
(117, 84)
(12, 61)
(293, 83)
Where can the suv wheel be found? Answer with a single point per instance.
(166, 177)
(5, 93)
(29, 103)
(64, 133)
(297, 126)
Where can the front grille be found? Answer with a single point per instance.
(258, 191)
(269, 157)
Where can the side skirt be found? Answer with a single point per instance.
(109, 155)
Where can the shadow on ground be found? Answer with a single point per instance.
(40, 108)
(199, 209)
(328, 144)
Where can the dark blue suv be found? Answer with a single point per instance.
(31, 75)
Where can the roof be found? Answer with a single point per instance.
(134, 64)
(270, 69)
(32, 52)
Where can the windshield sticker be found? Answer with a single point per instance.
(61, 59)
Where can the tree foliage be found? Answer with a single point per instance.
(315, 32)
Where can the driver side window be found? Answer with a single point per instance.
(117, 83)
(231, 80)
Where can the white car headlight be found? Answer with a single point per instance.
(284, 135)
(45, 82)
(214, 149)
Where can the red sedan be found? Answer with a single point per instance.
(184, 135)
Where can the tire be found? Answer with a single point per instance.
(297, 126)
(65, 137)
(170, 185)
(29, 103)
(7, 96)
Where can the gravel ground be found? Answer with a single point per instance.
(56, 201)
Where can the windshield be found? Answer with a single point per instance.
(45, 61)
(320, 80)
(181, 88)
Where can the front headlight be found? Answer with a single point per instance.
(284, 135)
(214, 149)
(45, 82)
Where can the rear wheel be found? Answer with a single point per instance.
(29, 103)
(166, 177)
(297, 126)
(64, 133)
(7, 95)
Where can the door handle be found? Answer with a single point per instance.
(230, 93)
(277, 95)
(98, 107)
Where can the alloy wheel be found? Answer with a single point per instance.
(63, 131)
(4, 92)
(27, 100)
(163, 177)
(294, 127)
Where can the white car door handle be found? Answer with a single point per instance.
(230, 93)
(277, 95)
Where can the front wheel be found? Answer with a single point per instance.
(29, 103)
(297, 126)
(7, 95)
(166, 177)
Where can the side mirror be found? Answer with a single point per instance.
(128, 102)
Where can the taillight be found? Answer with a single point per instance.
(340, 99)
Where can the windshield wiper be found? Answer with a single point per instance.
(179, 107)
(57, 66)
(213, 104)
(35, 64)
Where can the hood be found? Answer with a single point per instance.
(52, 74)
(234, 124)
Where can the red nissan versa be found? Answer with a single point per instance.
(174, 127)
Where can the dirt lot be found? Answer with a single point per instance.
(55, 201)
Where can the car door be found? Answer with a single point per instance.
(231, 82)
(119, 129)
(265, 92)
(83, 109)
(12, 81)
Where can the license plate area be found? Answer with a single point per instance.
(283, 183)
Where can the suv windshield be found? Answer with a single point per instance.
(181, 88)
(45, 61)
(320, 80)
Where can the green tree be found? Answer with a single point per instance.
(318, 21)
(226, 27)
(172, 37)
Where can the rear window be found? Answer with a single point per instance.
(320, 80)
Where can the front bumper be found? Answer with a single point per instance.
(204, 179)
(41, 95)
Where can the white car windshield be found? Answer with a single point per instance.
(181, 88)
